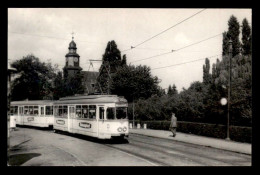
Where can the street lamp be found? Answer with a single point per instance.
(229, 85)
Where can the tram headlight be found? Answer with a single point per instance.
(119, 129)
(124, 129)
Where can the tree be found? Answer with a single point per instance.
(225, 44)
(206, 74)
(35, 80)
(111, 61)
(58, 90)
(233, 33)
(135, 82)
(123, 60)
(246, 37)
(73, 85)
(190, 105)
(172, 90)
(169, 90)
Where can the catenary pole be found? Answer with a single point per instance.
(229, 86)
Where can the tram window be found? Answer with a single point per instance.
(60, 111)
(42, 110)
(26, 110)
(11, 110)
(78, 111)
(30, 109)
(84, 111)
(110, 113)
(21, 110)
(121, 113)
(101, 113)
(65, 111)
(56, 110)
(15, 110)
(35, 110)
(48, 110)
(92, 111)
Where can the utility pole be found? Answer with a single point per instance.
(133, 113)
(108, 89)
(229, 85)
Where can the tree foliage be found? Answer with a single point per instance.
(233, 34)
(111, 61)
(34, 81)
(206, 74)
(134, 82)
(201, 101)
(246, 37)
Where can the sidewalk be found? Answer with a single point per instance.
(198, 140)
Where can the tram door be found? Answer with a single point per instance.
(100, 120)
(41, 111)
(71, 116)
(20, 115)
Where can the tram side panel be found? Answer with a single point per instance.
(60, 123)
(85, 127)
(35, 121)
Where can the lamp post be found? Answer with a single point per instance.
(229, 85)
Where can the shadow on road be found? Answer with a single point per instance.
(50, 128)
(19, 159)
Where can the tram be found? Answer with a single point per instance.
(101, 116)
(37, 113)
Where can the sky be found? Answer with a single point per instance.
(47, 32)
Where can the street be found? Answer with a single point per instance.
(37, 147)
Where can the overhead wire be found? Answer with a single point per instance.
(51, 37)
(187, 62)
(175, 50)
(132, 47)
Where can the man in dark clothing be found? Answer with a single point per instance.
(173, 125)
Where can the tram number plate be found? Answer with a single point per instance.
(84, 125)
(30, 119)
(60, 122)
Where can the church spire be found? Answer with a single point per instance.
(72, 35)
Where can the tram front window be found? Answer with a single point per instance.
(121, 113)
(111, 113)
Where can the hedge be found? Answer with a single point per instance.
(237, 133)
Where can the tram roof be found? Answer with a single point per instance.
(33, 102)
(85, 99)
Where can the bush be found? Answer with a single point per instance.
(237, 133)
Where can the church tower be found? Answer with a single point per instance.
(72, 67)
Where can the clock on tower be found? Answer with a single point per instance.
(72, 61)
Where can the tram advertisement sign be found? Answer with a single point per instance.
(60, 122)
(30, 119)
(84, 125)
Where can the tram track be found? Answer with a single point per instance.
(147, 159)
(193, 152)
(163, 152)
(158, 155)
(181, 154)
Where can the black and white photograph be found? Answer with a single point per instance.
(129, 87)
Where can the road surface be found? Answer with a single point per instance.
(35, 147)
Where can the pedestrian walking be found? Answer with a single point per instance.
(173, 125)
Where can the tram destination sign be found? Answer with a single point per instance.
(84, 125)
(60, 122)
(121, 104)
(30, 119)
